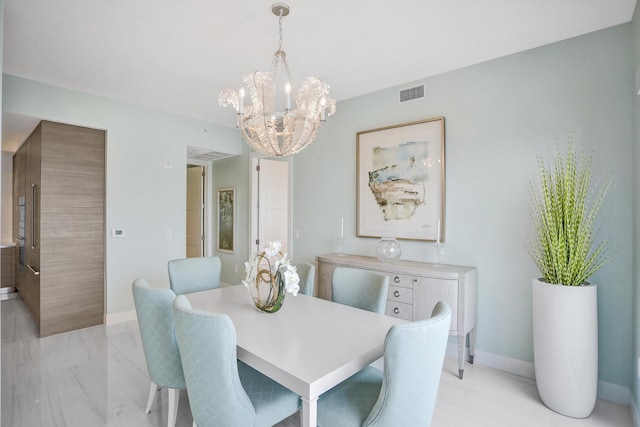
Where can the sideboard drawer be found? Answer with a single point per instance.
(399, 310)
(395, 279)
(399, 294)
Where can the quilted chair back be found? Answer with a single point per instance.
(413, 360)
(307, 274)
(155, 318)
(360, 288)
(194, 274)
(208, 348)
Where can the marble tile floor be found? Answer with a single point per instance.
(97, 377)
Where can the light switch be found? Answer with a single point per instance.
(117, 233)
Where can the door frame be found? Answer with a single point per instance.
(208, 204)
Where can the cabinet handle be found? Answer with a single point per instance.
(396, 310)
(396, 279)
(396, 294)
(33, 217)
(33, 270)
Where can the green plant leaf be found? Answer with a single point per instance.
(564, 210)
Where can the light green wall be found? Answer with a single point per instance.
(498, 116)
(635, 25)
(142, 196)
(234, 172)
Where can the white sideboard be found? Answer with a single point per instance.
(414, 290)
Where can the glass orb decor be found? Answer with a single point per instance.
(388, 249)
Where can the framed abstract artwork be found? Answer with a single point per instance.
(401, 181)
(226, 236)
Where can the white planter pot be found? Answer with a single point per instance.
(565, 343)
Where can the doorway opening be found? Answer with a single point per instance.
(200, 202)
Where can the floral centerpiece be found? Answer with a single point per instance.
(269, 275)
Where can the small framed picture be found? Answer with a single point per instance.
(401, 181)
(226, 236)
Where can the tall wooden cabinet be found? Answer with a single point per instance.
(61, 278)
(414, 290)
(19, 197)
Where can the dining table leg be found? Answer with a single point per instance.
(309, 413)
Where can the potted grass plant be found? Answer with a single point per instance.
(564, 210)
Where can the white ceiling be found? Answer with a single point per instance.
(176, 56)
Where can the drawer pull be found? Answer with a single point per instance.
(396, 310)
(396, 279)
(396, 294)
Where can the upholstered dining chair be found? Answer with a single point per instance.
(224, 392)
(405, 392)
(360, 288)
(155, 318)
(194, 274)
(307, 274)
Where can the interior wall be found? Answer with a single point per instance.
(635, 25)
(234, 172)
(145, 176)
(499, 115)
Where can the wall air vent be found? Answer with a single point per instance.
(204, 154)
(412, 93)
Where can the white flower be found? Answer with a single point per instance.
(272, 249)
(291, 280)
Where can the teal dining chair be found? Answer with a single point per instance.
(307, 274)
(155, 319)
(405, 392)
(194, 274)
(224, 392)
(360, 288)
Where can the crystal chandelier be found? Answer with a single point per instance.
(270, 125)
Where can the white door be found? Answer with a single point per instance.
(270, 203)
(195, 211)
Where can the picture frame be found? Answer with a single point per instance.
(400, 173)
(226, 239)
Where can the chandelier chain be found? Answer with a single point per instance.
(280, 14)
(280, 54)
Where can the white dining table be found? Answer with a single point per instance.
(309, 345)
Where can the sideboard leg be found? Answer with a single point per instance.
(461, 342)
(472, 344)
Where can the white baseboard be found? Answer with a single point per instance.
(495, 361)
(606, 391)
(120, 317)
